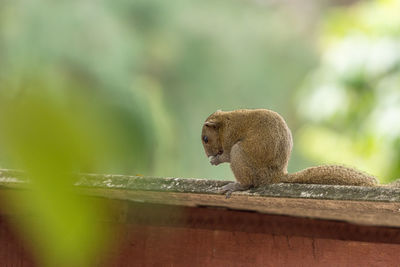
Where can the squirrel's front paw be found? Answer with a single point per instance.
(214, 160)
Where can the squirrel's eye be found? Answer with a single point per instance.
(205, 139)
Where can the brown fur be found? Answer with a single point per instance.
(258, 143)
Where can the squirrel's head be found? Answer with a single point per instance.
(211, 139)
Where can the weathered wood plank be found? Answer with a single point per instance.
(378, 206)
(179, 234)
(13, 179)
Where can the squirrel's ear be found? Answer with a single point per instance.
(212, 124)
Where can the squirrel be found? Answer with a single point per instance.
(257, 143)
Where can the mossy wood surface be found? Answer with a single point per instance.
(378, 206)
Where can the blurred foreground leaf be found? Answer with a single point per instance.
(51, 143)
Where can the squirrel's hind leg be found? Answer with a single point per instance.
(228, 189)
(242, 171)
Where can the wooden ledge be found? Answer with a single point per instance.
(377, 206)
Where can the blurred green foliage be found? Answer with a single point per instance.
(124, 87)
(159, 68)
(353, 98)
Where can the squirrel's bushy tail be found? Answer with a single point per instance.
(331, 174)
(395, 183)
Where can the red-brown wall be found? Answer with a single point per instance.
(163, 235)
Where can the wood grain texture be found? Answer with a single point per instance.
(165, 246)
(171, 235)
(13, 251)
(184, 222)
(360, 212)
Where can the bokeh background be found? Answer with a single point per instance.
(124, 87)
